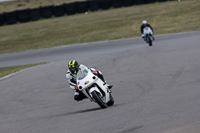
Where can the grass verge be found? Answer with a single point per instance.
(8, 70)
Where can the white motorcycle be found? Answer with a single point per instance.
(148, 35)
(94, 88)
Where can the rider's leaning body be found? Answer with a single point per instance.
(145, 24)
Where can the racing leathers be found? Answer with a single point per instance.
(143, 26)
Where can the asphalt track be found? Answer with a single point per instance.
(156, 89)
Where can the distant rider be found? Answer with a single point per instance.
(73, 68)
(145, 24)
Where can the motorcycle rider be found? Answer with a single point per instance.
(73, 68)
(145, 24)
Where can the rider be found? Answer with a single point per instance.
(73, 68)
(144, 24)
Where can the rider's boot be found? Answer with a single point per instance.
(109, 86)
(102, 78)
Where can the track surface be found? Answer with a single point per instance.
(156, 89)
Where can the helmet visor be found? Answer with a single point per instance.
(72, 69)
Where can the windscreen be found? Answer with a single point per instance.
(82, 74)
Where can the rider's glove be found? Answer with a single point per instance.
(95, 73)
(143, 35)
(76, 87)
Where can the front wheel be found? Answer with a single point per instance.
(111, 102)
(150, 42)
(98, 99)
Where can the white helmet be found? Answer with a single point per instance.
(144, 22)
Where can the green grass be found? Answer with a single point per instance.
(25, 4)
(8, 70)
(165, 17)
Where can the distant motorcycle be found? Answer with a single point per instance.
(94, 88)
(148, 35)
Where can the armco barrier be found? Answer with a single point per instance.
(117, 3)
(82, 6)
(105, 4)
(23, 15)
(11, 17)
(35, 14)
(2, 19)
(46, 12)
(70, 8)
(93, 5)
(59, 10)
(128, 2)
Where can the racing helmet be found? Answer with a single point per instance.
(73, 66)
(144, 22)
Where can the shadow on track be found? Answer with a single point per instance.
(76, 112)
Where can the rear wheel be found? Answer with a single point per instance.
(98, 99)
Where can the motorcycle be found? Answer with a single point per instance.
(94, 88)
(148, 35)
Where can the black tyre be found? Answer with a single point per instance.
(11, 17)
(47, 11)
(23, 15)
(70, 8)
(150, 41)
(111, 102)
(2, 19)
(35, 14)
(98, 99)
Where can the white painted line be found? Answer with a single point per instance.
(7, 76)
